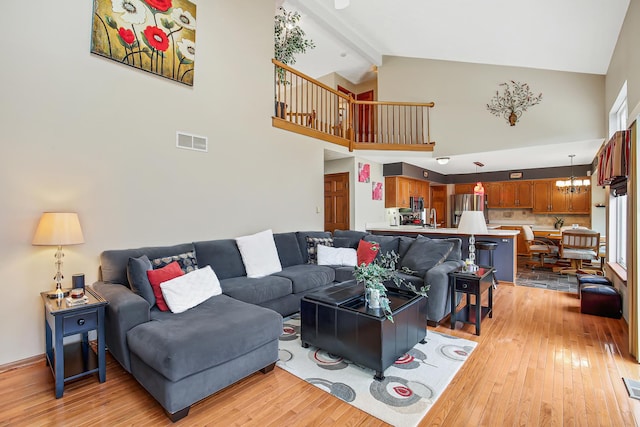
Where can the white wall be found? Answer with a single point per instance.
(625, 63)
(362, 208)
(87, 134)
(572, 108)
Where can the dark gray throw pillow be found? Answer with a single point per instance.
(424, 254)
(138, 280)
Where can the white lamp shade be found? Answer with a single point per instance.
(442, 160)
(472, 222)
(58, 229)
(340, 4)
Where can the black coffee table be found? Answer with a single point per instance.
(336, 320)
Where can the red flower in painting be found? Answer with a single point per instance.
(156, 38)
(127, 35)
(161, 5)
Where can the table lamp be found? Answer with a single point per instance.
(472, 222)
(58, 229)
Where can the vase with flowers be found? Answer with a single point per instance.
(375, 274)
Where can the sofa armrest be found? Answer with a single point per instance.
(124, 311)
(438, 296)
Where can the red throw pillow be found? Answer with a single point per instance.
(367, 252)
(160, 275)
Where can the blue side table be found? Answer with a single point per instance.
(76, 359)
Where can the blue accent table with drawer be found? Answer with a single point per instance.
(76, 359)
(471, 283)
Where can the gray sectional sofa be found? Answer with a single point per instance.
(181, 358)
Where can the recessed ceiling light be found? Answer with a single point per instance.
(442, 160)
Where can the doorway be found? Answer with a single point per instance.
(439, 203)
(336, 202)
(364, 118)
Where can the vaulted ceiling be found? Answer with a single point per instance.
(566, 35)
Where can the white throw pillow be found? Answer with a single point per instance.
(259, 254)
(187, 291)
(337, 256)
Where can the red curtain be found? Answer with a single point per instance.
(613, 160)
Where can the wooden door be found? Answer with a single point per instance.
(439, 203)
(365, 121)
(336, 202)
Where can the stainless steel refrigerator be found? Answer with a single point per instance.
(467, 202)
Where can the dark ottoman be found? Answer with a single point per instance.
(591, 279)
(601, 300)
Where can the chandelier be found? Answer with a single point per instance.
(573, 185)
(515, 99)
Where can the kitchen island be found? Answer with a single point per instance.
(504, 257)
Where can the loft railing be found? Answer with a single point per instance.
(309, 107)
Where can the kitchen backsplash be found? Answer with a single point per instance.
(519, 216)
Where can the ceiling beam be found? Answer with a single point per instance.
(340, 29)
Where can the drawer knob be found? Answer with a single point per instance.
(464, 285)
(80, 322)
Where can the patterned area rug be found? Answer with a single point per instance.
(411, 386)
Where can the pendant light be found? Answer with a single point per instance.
(478, 190)
(573, 185)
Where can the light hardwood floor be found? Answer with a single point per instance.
(539, 362)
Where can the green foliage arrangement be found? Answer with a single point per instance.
(381, 270)
(289, 37)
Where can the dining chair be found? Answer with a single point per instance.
(539, 246)
(578, 245)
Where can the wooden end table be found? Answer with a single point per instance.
(74, 360)
(471, 283)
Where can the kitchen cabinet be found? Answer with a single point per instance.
(580, 202)
(399, 190)
(492, 194)
(464, 188)
(517, 194)
(509, 194)
(547, 199)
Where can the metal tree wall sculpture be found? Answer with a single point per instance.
(515, 99)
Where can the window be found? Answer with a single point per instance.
(617, 229)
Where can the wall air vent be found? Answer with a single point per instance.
(191, 142)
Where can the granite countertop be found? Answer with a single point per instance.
(427, 230)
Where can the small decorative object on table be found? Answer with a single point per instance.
(559, 223)
(373, 276)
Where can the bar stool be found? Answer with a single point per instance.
(483, 245)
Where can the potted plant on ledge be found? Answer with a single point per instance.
(289, 40)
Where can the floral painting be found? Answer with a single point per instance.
(364, 172)
(157, 36)
(377, 190)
